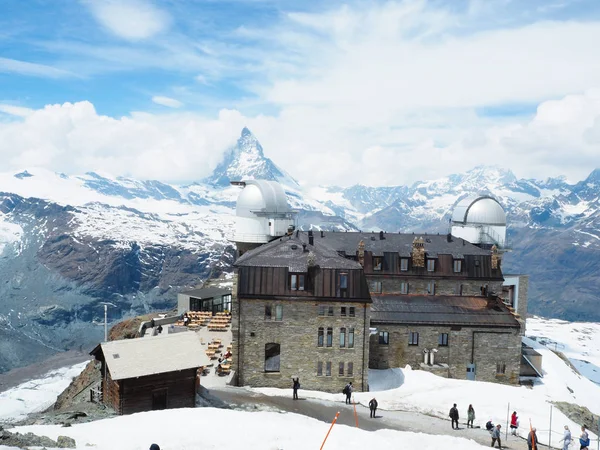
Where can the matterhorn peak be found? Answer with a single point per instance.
(246, 161)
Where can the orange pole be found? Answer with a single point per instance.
(337, 414)
(533, 443)
(355, 415)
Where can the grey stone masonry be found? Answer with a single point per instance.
(496, 352)
(297, 336)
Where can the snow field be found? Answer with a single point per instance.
(36, 395)
(209, 428)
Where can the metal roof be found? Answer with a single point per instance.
(209, 292)
(133, 358)
(438, 309)
(289, 252)
(479, 210)
(402, 243)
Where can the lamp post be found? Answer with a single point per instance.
(106, 305)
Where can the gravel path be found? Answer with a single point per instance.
(241, 398)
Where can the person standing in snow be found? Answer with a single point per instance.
(496, 436)
(454, 416)
(584, 439)
(514, 423)
(489, 426)
(295, 387)
(470, 416)
(566, 440)
(373, 407)
(154, 447)
(532, 439)
(348, 391)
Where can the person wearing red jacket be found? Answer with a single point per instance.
(514, 423)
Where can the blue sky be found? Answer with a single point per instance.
(342, 80)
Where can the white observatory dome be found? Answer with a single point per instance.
(479, 210)
(260, 197)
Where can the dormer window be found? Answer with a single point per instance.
(377, 262)
(297, 281)
(403, 264)
(431, 265)
(457, 266)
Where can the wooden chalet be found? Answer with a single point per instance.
(152, 373)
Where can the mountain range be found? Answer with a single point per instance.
(70, 242)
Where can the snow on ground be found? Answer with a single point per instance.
(429, 394)
(209, 428)
(580, 342)
(10, 233)
(36, 395)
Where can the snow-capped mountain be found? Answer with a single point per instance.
(68, 242)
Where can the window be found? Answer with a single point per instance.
(343, 285)
(431, 265)
(321, 310)
(384, 338)
(443, 340)
(413, 338)
(343, 311)
(350, 369)
(341, 371)
(431, 288)
(297, 281)
(272, 352)
(376, 287)
(351, 338)
(267, 312)
(404, 264)
(404, 287)
(320, 337)
(328, 369)
(278, 312)
(342, 337)
(457, 266)
(329, 337)
(377, 262)
(500, 368)
(320, 368)
(352, 311)
(330, 311)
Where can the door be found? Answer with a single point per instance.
(471, 372)
(159, 399)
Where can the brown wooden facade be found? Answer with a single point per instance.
(318, 283)
(152, 392)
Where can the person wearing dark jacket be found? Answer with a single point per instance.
(532, 440)
(454, 416)
(154, 447)
(348, 391)
(295, 387)
(373, 407)
(489, 426)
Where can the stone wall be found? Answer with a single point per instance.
(297, 334)
(418, 286)
(523, 290)
(490, 348)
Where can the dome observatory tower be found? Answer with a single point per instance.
(480, 221)
(262, 214)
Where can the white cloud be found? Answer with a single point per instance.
(13, 110)
(130, 19)
(562, 138)
(32, 69)
(167, 101)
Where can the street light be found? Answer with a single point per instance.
(106, 305)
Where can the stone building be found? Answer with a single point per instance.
(301, 310)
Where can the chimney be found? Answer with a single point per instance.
(311, 239)
(322, 234)
(381, 238)
(449, 237)
(297, 233)
(310, 233)
(304, 247)
(495, 257)
(418, 252)
(361, 253)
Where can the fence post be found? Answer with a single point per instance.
(550, 430)
(507, 419)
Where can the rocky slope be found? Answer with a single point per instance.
(69, 242)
